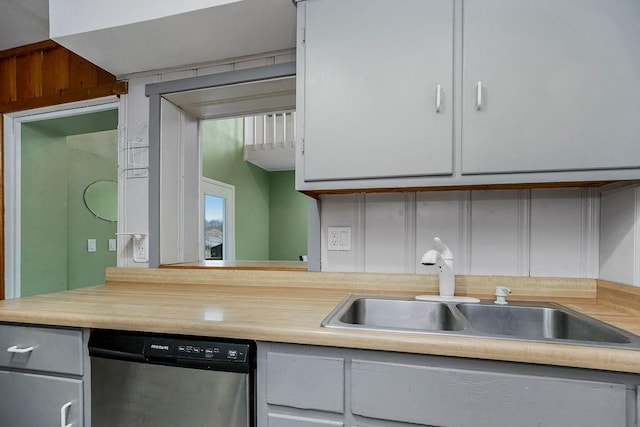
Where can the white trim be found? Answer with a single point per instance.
(590, 239)
(410, 233)
(636, 238)
(463, 263)
(359, 244)
(227, 192)
(124, 250)
(12, 170)
(12, 208)
(524, 233)
(64, 110)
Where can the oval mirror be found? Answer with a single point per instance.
(101, 198)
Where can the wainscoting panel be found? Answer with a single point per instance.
(343, 211)
(619, 236)
(540, 232)
(561, 224)
(496, 233)
(386, 246)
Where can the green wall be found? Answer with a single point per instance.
(92, 157)
(55, 223)
(287, 217)
(223, 161)
(270, 216)
(43, 212)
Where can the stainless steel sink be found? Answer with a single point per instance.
(399, 314)
(530, 321)
(539, 322)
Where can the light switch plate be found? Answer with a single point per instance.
(112, 245)
(339, 238)
(91, 245)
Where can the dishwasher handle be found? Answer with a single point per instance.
(115, 354)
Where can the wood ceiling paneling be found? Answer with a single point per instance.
(45, 74)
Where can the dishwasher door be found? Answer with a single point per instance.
(138, 394)
(136, 384)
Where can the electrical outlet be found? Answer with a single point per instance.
(140, 248)
(339, 238)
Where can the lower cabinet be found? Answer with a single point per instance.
(42, 381)
(319, 386)
(283, 420)
(40, 400)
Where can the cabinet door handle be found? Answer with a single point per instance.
(63, 415)
(15, 349)
(479, 95)
(438, 98)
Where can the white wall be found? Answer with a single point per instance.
(134, 185)
(180, 175)
(79, 16)
(540, 232)
(620, 235)
(125, 37)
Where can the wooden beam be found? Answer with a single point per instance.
(29, 48)
(44, 74)
(516, 186)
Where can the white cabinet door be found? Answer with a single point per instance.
(30, 400)
(560, 85)
(284, 420)
(375, 72)
(438, 396)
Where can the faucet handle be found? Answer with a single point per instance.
(501, 295)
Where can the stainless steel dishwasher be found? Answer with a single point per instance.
(160, 380)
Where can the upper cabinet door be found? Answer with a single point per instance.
(378, 88)
(550, 85)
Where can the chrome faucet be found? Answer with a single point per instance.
(443, 258)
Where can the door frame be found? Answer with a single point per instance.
(12, 180)
(227, 192)
(155, 92)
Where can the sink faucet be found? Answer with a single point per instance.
(501, 295)
(443, 258)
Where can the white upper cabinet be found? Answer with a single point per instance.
(560, 83)
(422, 93)
(378, 88)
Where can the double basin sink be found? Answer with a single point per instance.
(530, 321)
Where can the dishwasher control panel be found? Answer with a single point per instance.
(196, 350)
(174, 350)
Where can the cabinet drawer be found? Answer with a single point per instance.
(37, 400)
(455, 397)
(54, 350)
(282, 420)
(306, 382)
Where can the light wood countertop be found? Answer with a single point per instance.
(289, 306)
(242, 265)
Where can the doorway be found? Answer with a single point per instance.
(57, 238)
(260, 82)
(271, 216)
(218, 220)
